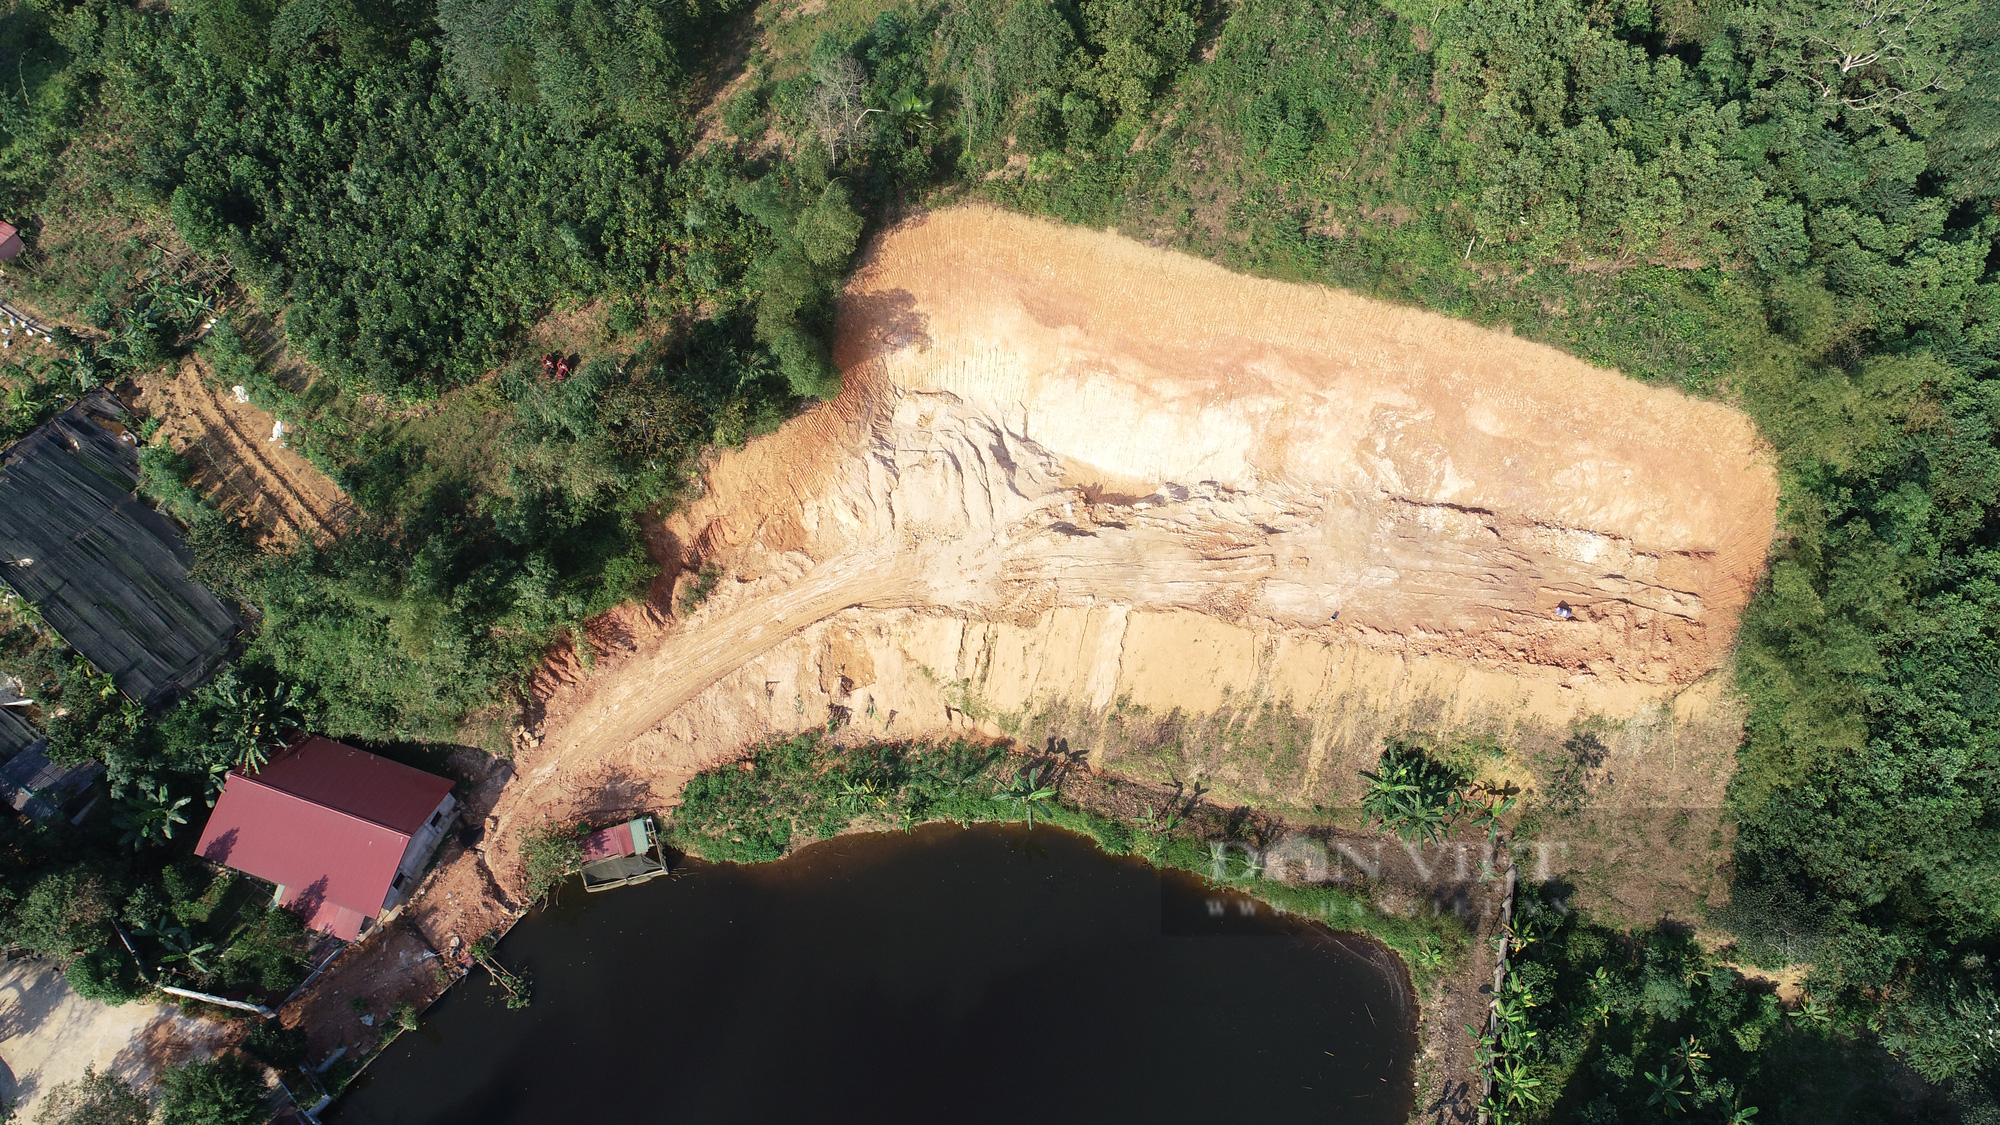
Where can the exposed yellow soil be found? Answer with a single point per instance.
(1081, 492)
(1078, 487)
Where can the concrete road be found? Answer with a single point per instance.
(49, 1035)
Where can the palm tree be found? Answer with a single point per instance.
(1025, 792)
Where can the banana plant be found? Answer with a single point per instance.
(1515, 1039)
(184, 303)
(1495, 800)
(214, 779)
(150, 816)
(1691, 1056)
(912, 112)
(1524, 931)
(1508, 1008)
(178, 943)
(1027, 792)
(859, 794)
(191, 954)
(1484, 1048)
(1667, 1090)
(1162, 820)
(1413, 796)
(1427, 957)
(1513, 1085)
(1812, 1011)
(1518, 989)
(250, 720)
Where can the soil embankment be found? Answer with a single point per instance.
(1081, 492)
(1079, 488)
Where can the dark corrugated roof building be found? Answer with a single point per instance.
(30, 783)
(343, 833)
(107, 573)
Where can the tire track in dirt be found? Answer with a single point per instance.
(636, 696)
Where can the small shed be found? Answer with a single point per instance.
(107, 573)
(10, 242)
(622, 855)
(31, 784)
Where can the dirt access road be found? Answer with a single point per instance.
(49, 1035)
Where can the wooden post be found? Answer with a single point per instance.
(211, 998)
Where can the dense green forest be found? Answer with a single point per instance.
(1789, 204)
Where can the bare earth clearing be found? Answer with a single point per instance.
(272, 488)
(1081, 488)
(49, 1035)
(1191, 524)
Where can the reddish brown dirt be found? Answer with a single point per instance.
(392, 967)
(273, 489)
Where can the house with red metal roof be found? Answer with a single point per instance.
(343, 833)
(10, 242)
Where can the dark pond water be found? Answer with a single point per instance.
(949, 975)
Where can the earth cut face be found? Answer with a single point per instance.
(1084, 492)
(1281, 453)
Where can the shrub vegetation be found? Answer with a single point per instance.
(795, 791)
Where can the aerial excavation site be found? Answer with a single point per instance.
(983, 560)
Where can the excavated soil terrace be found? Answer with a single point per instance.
(1079, 488)
(276, 492)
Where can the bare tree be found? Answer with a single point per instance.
(1875, 54)
(834, 107)
(977, 97)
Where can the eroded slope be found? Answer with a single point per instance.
(1079, 488)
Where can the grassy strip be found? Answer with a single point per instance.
(795, 791)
